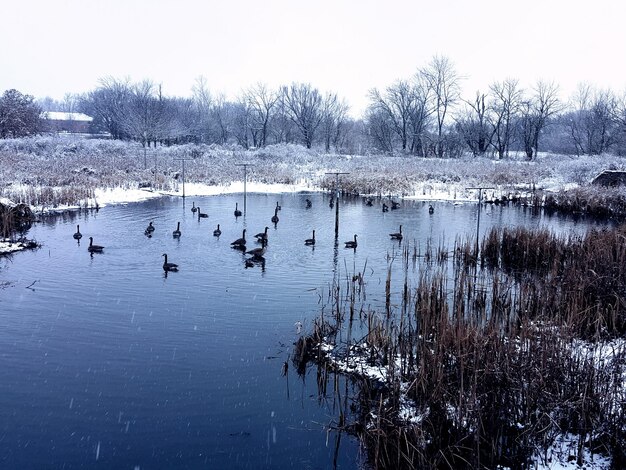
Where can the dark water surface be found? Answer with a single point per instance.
(107, 363)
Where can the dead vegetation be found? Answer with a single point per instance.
(476, 362)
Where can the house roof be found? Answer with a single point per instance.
(59, 116)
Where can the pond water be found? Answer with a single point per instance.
(107, 362)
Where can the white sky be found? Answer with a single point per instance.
(53, 47)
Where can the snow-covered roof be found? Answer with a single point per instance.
(58, 116)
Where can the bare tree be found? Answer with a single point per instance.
(535, 113)
(242, 126)
(282, 129)
(262, 103)
(443, 83)
(179, 121)
(475, 127)
(380, 129)
(590, 122)
(145, 119)
(507, 97)
(203, 103)
(304, 104)
(221, 119)
(397, 105)
(107, 104)
(419, 115)
(334, 112)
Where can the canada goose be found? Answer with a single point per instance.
(237, 211)
(77, 235)
(385, 207)
(193, 207)
(202, 214)
(275, 216)
(397, 235)
(369, 202)
(310, 241)
(257, 253)
(262, 235)
(278, 206)
(240, 241)
(94, 248)
(309, 204)
(431, 209)
(351, 243)
(149, 228)
(217, 232)
(176, 233)
(394, 205)
(169, 266)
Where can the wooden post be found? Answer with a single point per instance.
(337, 173)
(480, 199)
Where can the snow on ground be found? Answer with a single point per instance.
(560, 455)
(8, 246)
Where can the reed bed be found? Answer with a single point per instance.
(481, 361)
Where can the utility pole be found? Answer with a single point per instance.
(245, 180)
(480, 199)
(337, 173)
(183, 160)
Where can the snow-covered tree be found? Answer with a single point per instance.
(19, 115)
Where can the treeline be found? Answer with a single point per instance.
(423, 115)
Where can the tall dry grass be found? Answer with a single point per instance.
(498, 356)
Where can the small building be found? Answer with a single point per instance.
(59, 122)
(610, 178)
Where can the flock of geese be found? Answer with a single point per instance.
(256, 254)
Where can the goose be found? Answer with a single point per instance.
(431, 209)
(394, 205)
(237, 211)
(397, 235)
(77, 235)
(310, 241)
(193, 207)
(278, 206)
(149, 228)
(94, 248)
(309, 204)
(169, 266)
(351, 243)
(369, 202)
(217, 232)
(240, 241)
(262, 235)
(257, 253)
(275, 216)
(176, 233)
(385, 207)
(202, 214)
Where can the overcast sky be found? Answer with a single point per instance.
(53, 47)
